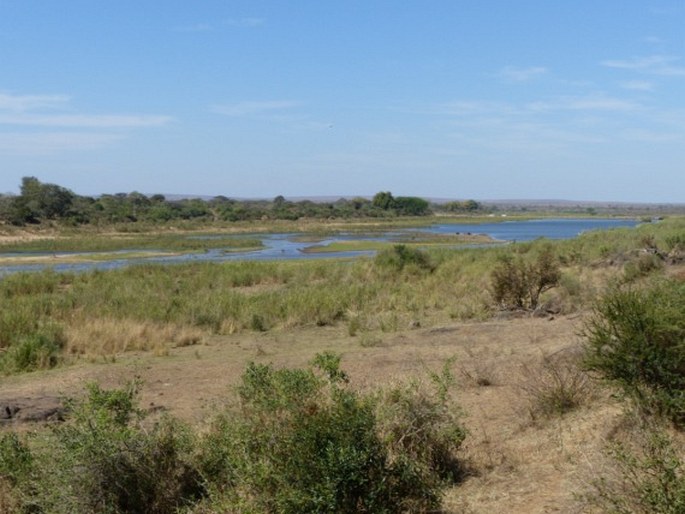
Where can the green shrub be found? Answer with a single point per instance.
(421, 430)
(642, 266)
(39, 350)
(518, 284)
(647, 476)
(675, 242)
(103, 461)
(636, 338)
(301, 441)
(400, 256)
(16, 460)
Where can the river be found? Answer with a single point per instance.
(287, 246)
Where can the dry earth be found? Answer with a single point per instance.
(517, 464)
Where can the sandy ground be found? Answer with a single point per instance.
(517, 464)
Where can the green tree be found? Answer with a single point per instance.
(38, 201)
(411, 206)
(383, 200)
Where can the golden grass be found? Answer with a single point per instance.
(104, 337)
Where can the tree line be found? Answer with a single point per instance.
(39, 202)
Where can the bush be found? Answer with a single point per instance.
(647, 476)
(518, 284)
(422, 430)
(642, 266)
(299, 441)
(636, 339)
(557, 386)
(303, 442)
(103, 461)
(400, 256)
(40, 350)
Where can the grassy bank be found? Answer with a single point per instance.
(86, 242)
(51, 316)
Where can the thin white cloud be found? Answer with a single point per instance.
(515, 74)
(197, 27)
(653, 65)
(467, 108)
(650, 136)
(597, 102)
(30, 125)
(248, 22)
(252, 108)
(653, 40)
(89, 121)
(48, 143)
(638, 85)
(9, 102)
(37, 110)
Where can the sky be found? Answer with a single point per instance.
(485, 99)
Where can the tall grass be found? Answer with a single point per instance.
(151, 305)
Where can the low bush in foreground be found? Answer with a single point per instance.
(298, 441)
(102, 461)
(636, 339)
(646, 474)
(302, 442)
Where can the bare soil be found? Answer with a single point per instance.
(517, 463)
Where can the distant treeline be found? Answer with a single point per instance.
(39, 202)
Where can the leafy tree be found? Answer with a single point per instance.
(411, 206)
(465, 206)
(39, 201)
(383, 200)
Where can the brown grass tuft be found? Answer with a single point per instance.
(103, 336)
(556, 384)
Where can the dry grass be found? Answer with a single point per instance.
(8, 503)
(105, 337)
(515, 465)
(555, 384)
(637, 451)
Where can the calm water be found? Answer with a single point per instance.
(284, 246)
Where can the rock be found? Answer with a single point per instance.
(25, 410)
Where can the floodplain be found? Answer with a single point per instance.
(186, 332)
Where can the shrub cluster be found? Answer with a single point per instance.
(401, 256)
(636, 338)
(557, 385)
(103, 461)
(648, 475)
(297, 441)
(518, 283)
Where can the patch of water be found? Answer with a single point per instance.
(286, 246)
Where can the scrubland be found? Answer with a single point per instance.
(465, 401)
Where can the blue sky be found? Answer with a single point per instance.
(485, 99)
